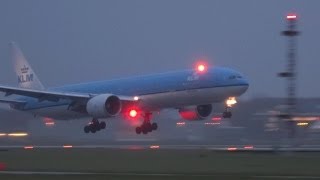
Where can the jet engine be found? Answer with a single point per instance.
(194, 113)
(103, 106)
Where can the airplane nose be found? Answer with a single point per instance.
(245, 84)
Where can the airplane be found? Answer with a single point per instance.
(192, 92)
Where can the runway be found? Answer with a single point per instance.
(302, 148)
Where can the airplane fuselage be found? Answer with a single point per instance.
(159, 91)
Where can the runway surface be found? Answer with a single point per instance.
(305, 148)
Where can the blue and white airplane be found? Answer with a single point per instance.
(192, 92)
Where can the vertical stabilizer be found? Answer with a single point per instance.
(25, 74)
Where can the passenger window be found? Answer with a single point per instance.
(232, 77)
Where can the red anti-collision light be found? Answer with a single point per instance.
(133, 113)
(201, 68)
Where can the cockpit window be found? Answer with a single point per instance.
(235, 77)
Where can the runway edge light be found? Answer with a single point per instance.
(291, 16)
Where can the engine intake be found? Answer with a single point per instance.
(194, 113)
(103, 106)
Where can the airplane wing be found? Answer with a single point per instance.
(54, 96)
(42, 95)
(12, 101)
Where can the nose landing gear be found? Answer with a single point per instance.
(229, 103)
(227, 113)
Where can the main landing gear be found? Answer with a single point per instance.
(146, 126)
(94, 126)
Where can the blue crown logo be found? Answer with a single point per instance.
(24, 70)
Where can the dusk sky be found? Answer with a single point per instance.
(86, 40)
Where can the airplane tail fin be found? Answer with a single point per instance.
(26, 77)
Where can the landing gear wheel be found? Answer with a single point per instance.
(97, 127)
(102, 125)
(93, 128)
(138, 130)
(86, 129)
(144, 130)
(154, 126)
(148, 127)
(227, 115)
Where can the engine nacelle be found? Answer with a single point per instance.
(103, 106)
(194, 113)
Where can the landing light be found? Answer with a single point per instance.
(231, 101)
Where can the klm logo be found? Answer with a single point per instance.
(193, 77)
(25, 78)
(24, 70)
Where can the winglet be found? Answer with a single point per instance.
(25, 75)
